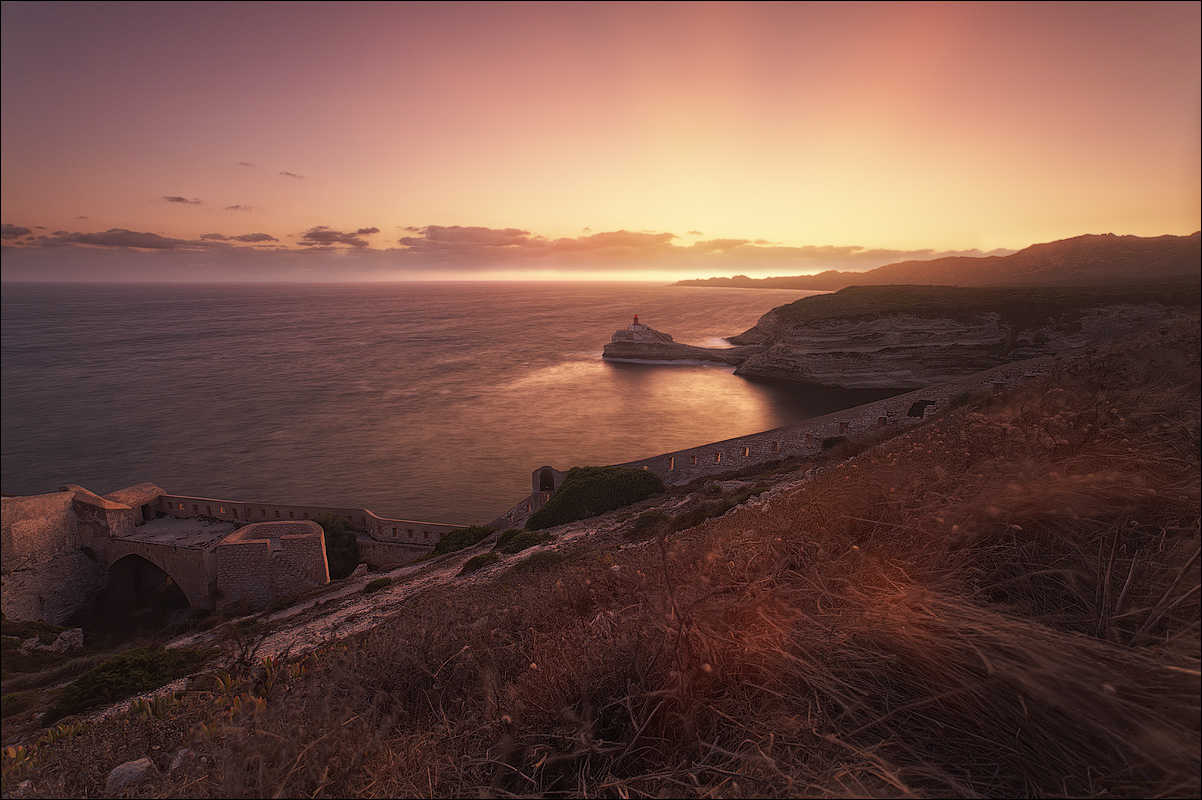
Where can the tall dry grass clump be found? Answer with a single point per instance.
(1003, 602)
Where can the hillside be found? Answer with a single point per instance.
(1082, 259)
(1001, 602)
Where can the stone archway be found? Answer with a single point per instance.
(188, 569)
(546, 480)
(134, 580)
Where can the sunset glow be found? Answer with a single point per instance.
(215, 141)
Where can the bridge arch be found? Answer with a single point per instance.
(187, 568)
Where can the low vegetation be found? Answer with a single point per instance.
(139, 669)
(342, 546)
(460, 538)
(589, 491)
(1000, 602)
(523, 540)
(376, 584)
(478, 562)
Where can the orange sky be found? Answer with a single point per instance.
(579, 140)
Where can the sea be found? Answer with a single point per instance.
(424, 401)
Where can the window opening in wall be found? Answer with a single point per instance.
(291, 515)
(306, 515)
(746, 452)
(195, 509)
(644, 466)
(235, 511)
(277, 513)
(426, 535)
(694, 458)
(671, 463)
(717, 458)
(843, 425)
(394, 531)
(363, 521)
(882, 421)
(776, 447)
(221, 509)
(919, 408)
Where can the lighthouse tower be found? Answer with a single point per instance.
(640, 332)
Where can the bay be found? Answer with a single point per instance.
(425, 401)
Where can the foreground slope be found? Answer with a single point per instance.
(1002, 602)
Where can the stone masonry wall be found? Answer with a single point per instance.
(286, 557)
(418, 534)
(244, 572)
(806, 438)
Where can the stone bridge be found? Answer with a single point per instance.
(62, 550)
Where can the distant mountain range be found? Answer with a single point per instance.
(1082, 259)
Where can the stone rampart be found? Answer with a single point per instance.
(807, 438)
(410, 532)
(244, 572)
(286, 557)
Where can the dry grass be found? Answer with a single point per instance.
(1004, 602)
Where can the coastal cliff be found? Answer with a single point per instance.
(904, 337)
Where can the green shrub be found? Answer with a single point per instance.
(461, 538)
(541, 560)
(589, 491)
(16, 702)
(506, 537)
(746, 494)
(342, 546)
(132, 672)
(831, 441)
(967, 396)
(649, 523)
(376, 584)
(710, 508)
(478, 562)
(525, 539)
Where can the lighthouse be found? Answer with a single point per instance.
(639, 332)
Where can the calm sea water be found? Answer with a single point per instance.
(430, 401)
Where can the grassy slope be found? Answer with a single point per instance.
(1003, 602)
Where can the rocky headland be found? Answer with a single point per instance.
(904, 337)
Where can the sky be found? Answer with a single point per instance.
(656, 141)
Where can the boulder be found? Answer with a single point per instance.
(130, 773)
(70, 639)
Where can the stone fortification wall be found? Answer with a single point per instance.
(383, 554)
(806, 438)
(260, 562)
(47, 574)
(516, 516)
(244, 573)
(410, 532)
